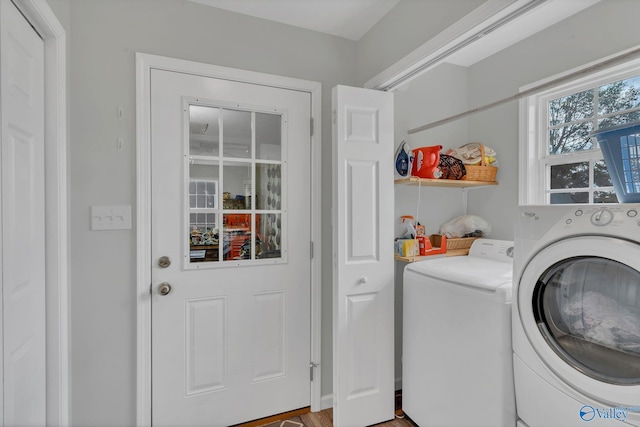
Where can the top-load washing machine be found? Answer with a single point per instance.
(456, 355)
(576, 315)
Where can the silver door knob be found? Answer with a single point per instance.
(164, 288)
(164, 262)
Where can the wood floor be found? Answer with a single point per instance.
(325, 419)
(318, 419)
(304, 418)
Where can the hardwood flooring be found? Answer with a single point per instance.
(304, 418)
(320, 419)
(325, 419)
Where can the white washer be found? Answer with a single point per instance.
(457, 366)
(576, 315)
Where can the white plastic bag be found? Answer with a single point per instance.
(465, 224)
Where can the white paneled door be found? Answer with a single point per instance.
(22, 320)
(230, 292)
(363, 204)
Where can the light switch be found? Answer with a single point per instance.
(111, 217)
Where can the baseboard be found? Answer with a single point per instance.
(326, 402)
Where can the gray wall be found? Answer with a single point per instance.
(104, 37)
(405, 28)
(601, 30)
(604, 29)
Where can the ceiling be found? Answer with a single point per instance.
(350, 19)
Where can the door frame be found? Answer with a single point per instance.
(144, 64)
(45, 22)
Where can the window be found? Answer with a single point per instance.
(559, 162)
(235, 170)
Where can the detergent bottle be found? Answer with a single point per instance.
(425, 162)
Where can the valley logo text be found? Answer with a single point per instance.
(589, 413)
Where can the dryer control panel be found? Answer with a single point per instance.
(615, 215)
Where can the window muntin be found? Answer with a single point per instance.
(588, 310)
(571, 119)
(557, 124)
(234, 186)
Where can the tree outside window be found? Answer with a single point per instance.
(571, 119)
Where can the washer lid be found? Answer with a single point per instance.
(470, 271)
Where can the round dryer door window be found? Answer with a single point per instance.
(588, 310)
(578, 301)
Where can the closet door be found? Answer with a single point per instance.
(363, 297)
(22, 219)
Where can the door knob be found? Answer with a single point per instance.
(164, 288)
(164, 262)
(364, 280)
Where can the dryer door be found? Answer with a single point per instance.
(579, 304)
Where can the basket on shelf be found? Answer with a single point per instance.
(452, 243)
(481, 171)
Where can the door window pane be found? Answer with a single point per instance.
(203, 210)
(237, 134)
(237, 236)
(204, 130)
(269, 187)
(270, 232)
(588, 309)
(237, 185)
(268, 136)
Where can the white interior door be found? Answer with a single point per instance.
(231, 213)
(23, 401)
(363, 205)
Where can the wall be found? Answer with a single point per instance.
(434, 95)
(104, 37)
(606, 28)
(601, 30)
(405, 28)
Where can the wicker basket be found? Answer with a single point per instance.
(452, 243)
(481, 172)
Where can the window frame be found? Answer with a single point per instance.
(534, 162)
(253, 161)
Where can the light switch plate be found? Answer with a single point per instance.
(111, 217)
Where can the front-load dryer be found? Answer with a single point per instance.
(576, 315)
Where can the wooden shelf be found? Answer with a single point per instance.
(453, 252)
(451, 183)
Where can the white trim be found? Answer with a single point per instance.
(144, 64)
(440, 46)
(45, 22)
(533, 159)
(327, 402)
